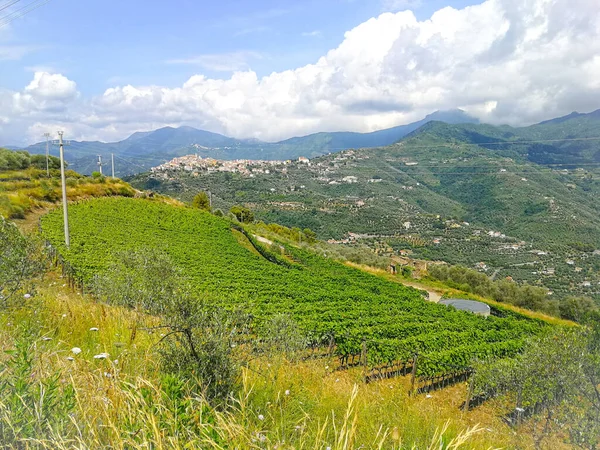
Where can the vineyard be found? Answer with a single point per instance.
(371, 320)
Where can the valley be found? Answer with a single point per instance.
(436, 195)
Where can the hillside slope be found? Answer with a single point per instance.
(467, 194)
(25, 186)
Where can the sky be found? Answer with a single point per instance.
(266, 69)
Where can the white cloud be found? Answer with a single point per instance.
(41, 68)
(221, 62)
(251, 30)
(400, 5)
(15, 52)
(314, 33)
(506, 61)
(51, 86)
(10, 51)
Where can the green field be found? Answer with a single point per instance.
(325, 298)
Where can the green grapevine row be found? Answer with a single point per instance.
(327, 299)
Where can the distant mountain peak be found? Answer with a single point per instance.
(455, 115)
(594, 114)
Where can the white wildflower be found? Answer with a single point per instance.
(27, 296)
(93, 329)
(76, 350)
(70, 358)
(101, 356)
(261, 417)
(287, 392)
(46, 338)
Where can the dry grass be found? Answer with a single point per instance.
(25, 191)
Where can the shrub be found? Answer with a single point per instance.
(201, 201)
(200, 338)
(20, 259)
(282, 335)
(242, 214)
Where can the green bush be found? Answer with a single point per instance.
(32, 409)
(200, 338)
(242, 214)
(201, 201)
(20, 259)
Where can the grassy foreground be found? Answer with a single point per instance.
(54, 398)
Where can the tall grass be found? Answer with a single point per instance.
(125, 402)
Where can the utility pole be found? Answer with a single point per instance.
(112, 163)
(47, 135)
(64, 189)
(100, 163)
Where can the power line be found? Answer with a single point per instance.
(18, 13)
(9, 4)
(131, 162)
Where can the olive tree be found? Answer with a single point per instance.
(201, 201)
(557, 379)
(242, 214)
(199, 339)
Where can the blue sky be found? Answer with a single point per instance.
(112, 42)
(266, 69)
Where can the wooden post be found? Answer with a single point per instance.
(331, 344)
(363, 358)
(469, 392)
(518, 408)
(413, 374)
(363, 353)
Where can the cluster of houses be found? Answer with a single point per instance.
(196, 164)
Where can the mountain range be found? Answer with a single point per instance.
(143, 150)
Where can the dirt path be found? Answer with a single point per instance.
(434, 296)
(29, 224)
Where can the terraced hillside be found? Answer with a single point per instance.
(465, 194)
(327, 299)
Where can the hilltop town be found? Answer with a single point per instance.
(196, 164)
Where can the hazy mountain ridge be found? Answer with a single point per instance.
(143, 150)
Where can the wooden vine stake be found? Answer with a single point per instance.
(363, 358)
(469, 392)
(413, 374)
(331, 345)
